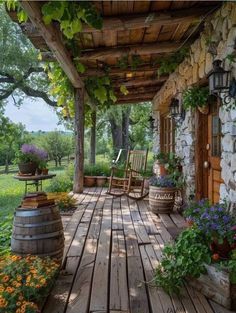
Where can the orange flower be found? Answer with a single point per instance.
(5, 278)
(3, 302)
(10, 289)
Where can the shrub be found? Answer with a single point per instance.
(60, 183)
(5, 234)
(99, 169)
(65, 202)
(185, 258)
(24, 282)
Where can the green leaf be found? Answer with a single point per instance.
(76, 26)
(112, 96)
(22, 16)
(80, 67)
(101, 94)
(124, 90)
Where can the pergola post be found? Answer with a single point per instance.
(79, 141)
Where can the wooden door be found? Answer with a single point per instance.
(213, 147)
(208, 154)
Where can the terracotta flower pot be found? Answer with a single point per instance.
(89, 181)
(45, 171)
(223, 249)
(159, 169)
(27, 168)
(101, 181)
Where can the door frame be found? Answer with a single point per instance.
(201, 154)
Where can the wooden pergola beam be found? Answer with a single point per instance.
(53, 41)
(134, 100)
(136, 97)
(138, 21)
(117, 52)
(139, 82)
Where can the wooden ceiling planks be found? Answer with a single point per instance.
(131, 32)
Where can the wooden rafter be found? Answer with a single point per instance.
(54, 42)
(123, 23)
(117, 52)
(141, 82)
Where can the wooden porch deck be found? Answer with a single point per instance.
(112, 248)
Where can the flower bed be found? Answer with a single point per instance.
(25, 282)
(201, 251)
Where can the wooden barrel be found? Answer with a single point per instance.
(161, 200)
(38, 232)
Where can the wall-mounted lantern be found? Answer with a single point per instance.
(176, 111)
(220, 82)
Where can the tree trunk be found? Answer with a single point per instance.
(125, 130)
(116, 132)
(56, 162)
(92, 157)
(59, 161)
(6, 164)
(79, 144)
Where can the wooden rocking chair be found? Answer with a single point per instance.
(133, 182)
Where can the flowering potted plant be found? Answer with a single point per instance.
(162, 191)
(216, 223)
(166, 164)
(29, 158)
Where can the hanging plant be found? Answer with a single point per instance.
(135, 61)
(71, 15)
(14, 5)
(169, 64)
(196, 97)
(100, 90)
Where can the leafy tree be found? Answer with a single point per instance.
(57, 145)
(21, 73)
(12, 136)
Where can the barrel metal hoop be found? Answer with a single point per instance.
(37, 237)
(36, 212)
(37, 224)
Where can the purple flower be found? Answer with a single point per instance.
(226, 219)
(205, 215)
(214, 226)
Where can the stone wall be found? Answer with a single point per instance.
(219, 34)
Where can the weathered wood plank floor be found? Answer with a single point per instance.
(112, 248)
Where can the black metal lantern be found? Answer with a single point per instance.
(219, 79)
(176, 111)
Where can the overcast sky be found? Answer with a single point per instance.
(34, 114)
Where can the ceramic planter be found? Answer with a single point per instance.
(89, 181)
(27, 168)
(45, 171)
(159, 169)
(162, 199)
(101, 181)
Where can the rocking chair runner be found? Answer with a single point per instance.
(133, 182)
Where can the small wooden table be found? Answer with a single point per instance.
(36, 180)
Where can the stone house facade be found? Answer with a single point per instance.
(219, 32)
